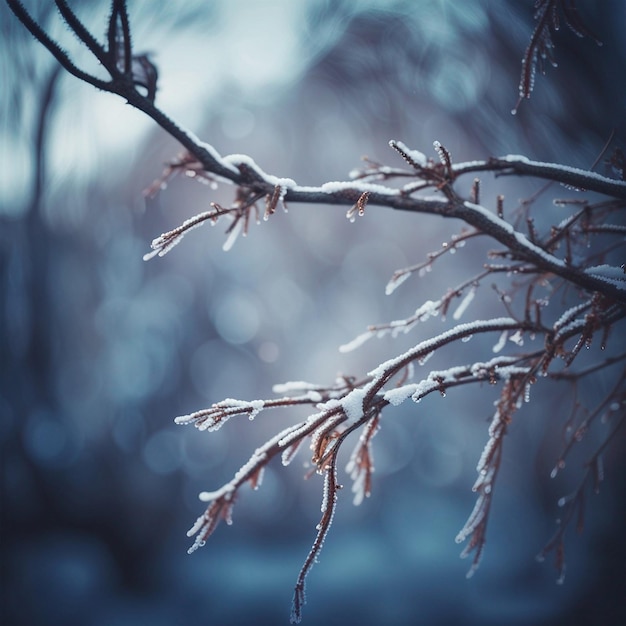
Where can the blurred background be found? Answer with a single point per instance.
(101, 350)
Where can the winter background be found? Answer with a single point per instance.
(101, 350)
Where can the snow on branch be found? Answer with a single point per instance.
(560, 287)
(253, 184)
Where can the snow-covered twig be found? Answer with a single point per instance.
(537, 261)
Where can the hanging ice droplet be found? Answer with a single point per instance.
(557, 468)
(501, 342)
(527, 393)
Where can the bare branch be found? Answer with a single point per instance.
(60, 55)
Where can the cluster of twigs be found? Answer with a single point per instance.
(573, 258)
(541, 47)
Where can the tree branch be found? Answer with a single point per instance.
(57, 52)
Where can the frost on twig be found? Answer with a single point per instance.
(541, 263)
(186, 164)
(339, 410)
(243, 209)
(361, 466)
(541, 47)
(559, 287)
(329, 504)
(514, 391)
(449, 247)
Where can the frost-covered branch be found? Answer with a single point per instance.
(253, 182)
(559, 287)
(449, 205)
(349, 406)
(541, 47)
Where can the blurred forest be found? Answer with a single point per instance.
(101, 350)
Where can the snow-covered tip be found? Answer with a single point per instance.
(610, 274)
(198, 524)
(273, 200)
(218, 414)
(358, 208)
(415, 158)
(186, 419)
(444, 155)
(395, 281)
(473, 521)
(501, 342)
(210, 496)
(517, 338)
(290, 452)
(294, 387)
(465, 302)
(164, 243)
(233, 232)
(160, 248)
(251, 407)
(360, 488)
(356, 342)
